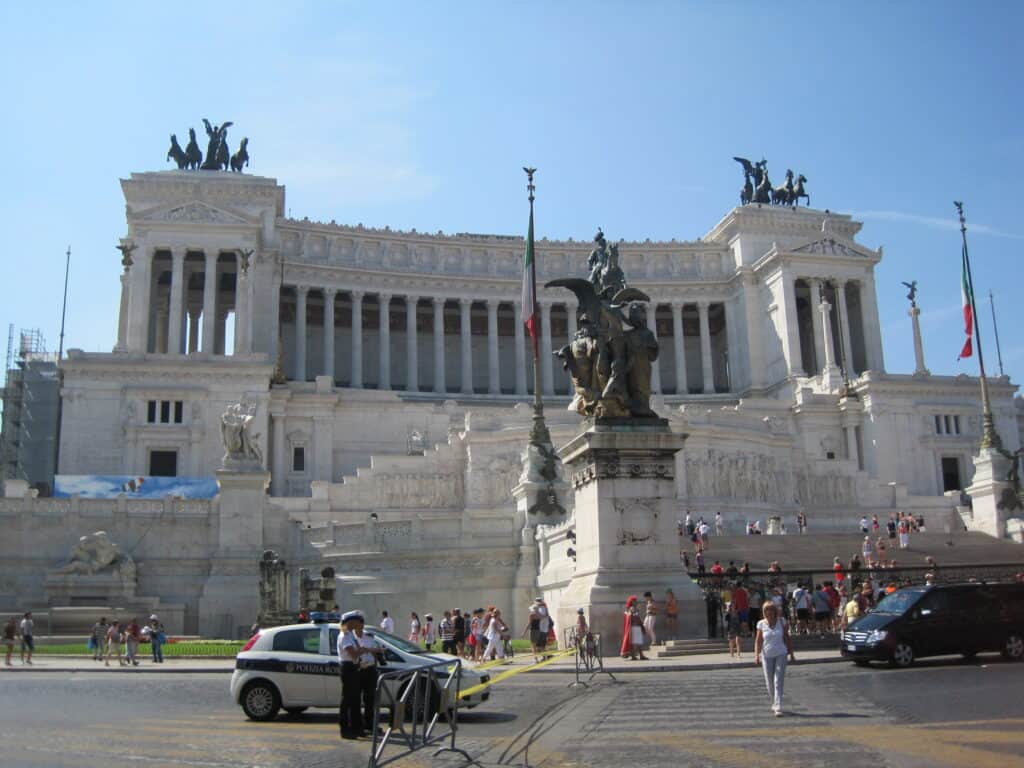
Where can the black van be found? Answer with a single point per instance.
(938, 620)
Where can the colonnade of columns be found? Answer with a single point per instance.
(474, 359)
(838, 337)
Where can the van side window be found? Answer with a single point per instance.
(933, 603)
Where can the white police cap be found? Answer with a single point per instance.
(349, 615)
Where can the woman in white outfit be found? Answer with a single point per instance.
(771, 647)
(495, 628)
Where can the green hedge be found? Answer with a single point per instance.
(211, 648)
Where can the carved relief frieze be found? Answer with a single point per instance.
(613, 465)
(638, 522)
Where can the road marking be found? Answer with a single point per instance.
(517, 671)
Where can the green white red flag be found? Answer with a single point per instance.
(530, 287)
(967, 298)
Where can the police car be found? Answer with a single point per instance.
(296, 667)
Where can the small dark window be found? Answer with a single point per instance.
(951, 474)
(298, 640)
(163, 463)
(298, 459)
(165, 411)
(178, 409)
(938, 424)
(151, 412)
(830, 455)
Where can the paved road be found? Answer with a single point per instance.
(948, 714)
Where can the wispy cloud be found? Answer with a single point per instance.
(933, 222)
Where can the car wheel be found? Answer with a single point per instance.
(260, 700)
(295, 710)
(1013, 649)
(903, 655)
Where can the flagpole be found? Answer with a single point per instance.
(989, 436)
(539, 434)
(995, 327)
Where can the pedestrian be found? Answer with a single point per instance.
(447, 632)
(700, 562)
(804, 604)
(132, 638)
(495, 629)
(867, 551)
(28, 644)
(771, 647)
(98, 638)
(427, 633)
(756, 604)
(732, 571)
(538, 641)
(10, 630)
(650, 619)
(688, 524)
(414, 627)
(114, 637)
(719, 525)
(874, 524)
(741, 602)
(459, 624)
(387, 624)
(717, 569)
(801, 522)
(864, 524)
(890, 527)
(733, 630)
(547, 624)
(822, 610)
(705, 531)
(477, 625)
(632, 632)
(357, 652)
(880, 548)
(903, 530)
(157, 638)
(671, 614)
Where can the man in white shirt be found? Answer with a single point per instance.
(719, 527)
(387, 623)
(27, 638)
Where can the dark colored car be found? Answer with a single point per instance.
(963, 619)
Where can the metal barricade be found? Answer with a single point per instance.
(418, 701)
(589, 655)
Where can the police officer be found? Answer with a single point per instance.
(349, 651)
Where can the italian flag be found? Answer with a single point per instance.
(530, 287)
(967, 298)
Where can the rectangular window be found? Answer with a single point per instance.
(163, 463)
(165, 411)
(938, 424)
(950, 474)
(178, 408)
(956, 425)
(151, 412)
(298, 640)
(298, 459)
(949, 425)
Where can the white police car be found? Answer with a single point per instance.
(296, 667)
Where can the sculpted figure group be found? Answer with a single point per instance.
(609, 359)
(757, 187)
(218, 155)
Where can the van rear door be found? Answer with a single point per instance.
(930, 625)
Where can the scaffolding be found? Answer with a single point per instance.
(29, 400)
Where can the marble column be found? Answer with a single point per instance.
(301, 292)
(520, 348)
(384, 341)
(493, 366)
(851, 444)
(162, 318)
(789, 325)
(844, 329)
(174, 340)
(831, 376)
(329, 294)
(919, 366)
(547, 372)
(570, 312)
(220, 334)
(466, 339)
(872, 330)
(278, 469)
(440, 385)
(679, 347)
(755, 320)
(242, 313)
(210, 303)
(819, 331)
(655, 364)
(356, 366)
(140, 299)
(193, 329)
(122, 315)
(707, 370)
(412, 363)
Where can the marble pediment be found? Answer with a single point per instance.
(193, 212)
(833, 246)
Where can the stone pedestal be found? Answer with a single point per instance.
(230, 601)
(627, 540)
(991, 493)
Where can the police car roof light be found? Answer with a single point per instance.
(323, 617)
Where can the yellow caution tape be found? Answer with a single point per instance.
(518, 670)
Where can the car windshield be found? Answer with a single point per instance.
(395, 642)
(899, 601)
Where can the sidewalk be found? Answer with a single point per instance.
(614, 664)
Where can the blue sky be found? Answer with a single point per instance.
(421, 115)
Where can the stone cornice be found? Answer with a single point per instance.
(961, 385)
(155, 187)
(767, 219)
(137, 367)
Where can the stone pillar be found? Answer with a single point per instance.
(546, 362)
(329, 294)
(819, 331)
(140, 299)
(851, 443)
(242, 313)
(356, 379)
(655, 364)
(919, 366)
(493, 363)
(301, 292)
(412, 358)
(707, 370)
(162, 319)
(279, 468)
(210, 303)
(466, 337)
(440, 386)
(384, 341)
(790, 330)
(220, 333)
(193, 329)
(122, 316)
(755, 319)
(831, 374)
(570, 313)
(174, 340)
(870, 324)
(520, 348)
(987, 489)
(679, 347)
(844, 328)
